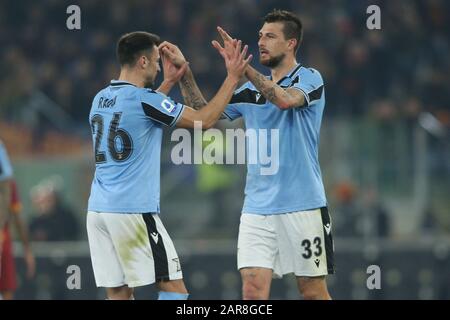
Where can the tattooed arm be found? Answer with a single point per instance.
(190, 91)
(282, 98)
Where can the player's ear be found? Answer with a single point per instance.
(292, 43)
(142, 62)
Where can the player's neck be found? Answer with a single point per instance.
(131, 77)
(283, 69)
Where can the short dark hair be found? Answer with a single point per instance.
(292, 25)
(131, 45)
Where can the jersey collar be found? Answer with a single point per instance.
(116, 83)
(290, 74)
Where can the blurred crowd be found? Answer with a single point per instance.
(396, 72)
(52, 219)
(391, 76)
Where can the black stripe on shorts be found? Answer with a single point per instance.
(328, 239)
(158, 249)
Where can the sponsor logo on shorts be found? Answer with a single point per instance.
(327, 228)
(154, 236)
(317, 262)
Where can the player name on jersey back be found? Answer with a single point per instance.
(126, 123)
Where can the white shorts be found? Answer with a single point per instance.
(297, 242)
(130, 249)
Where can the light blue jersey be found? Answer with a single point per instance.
(126, 123)
(6, 171)
(297, 185)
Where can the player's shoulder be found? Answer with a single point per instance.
(150, 95)
(149, 92)
(100, 94)
(310, 74)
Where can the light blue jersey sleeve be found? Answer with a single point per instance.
(232, 112)
(310, 83)
(161, 108)
(241, 95)
(6, 171)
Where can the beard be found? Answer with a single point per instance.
(272, 62)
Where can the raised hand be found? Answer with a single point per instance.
(173, 53)
(234, 57)
(226, 38)
(173, 72)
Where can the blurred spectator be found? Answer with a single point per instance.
(429, 223)
(363, 215)
(215, 181)
(8, 282)
(358, 65)
(53, 220)
(376, 216)
(346, 213)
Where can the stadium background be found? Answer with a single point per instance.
(385, 151)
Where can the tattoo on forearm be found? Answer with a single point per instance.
(190, 91)
(266, 87)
